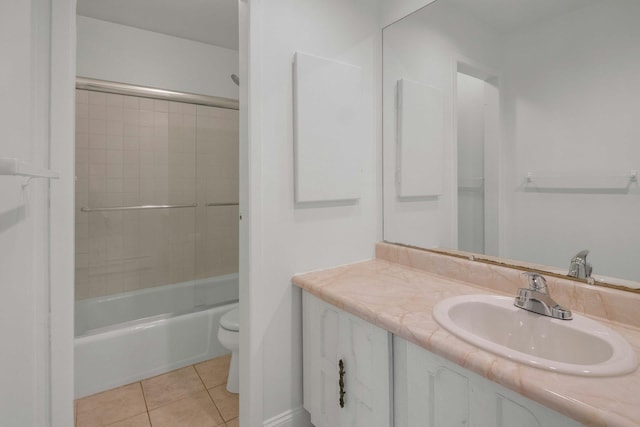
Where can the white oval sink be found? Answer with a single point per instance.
(581, 346)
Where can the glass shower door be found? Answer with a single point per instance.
(157, 199)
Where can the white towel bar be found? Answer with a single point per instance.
(582, 181)
(15, 167)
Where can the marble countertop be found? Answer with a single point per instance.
(400, 299)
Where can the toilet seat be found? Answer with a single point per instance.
(231, 320)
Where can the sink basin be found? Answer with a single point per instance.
(581, 346)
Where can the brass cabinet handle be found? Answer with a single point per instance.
(341, 382)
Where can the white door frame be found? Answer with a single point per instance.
(62, 249)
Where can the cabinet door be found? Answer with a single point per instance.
(329, 336)
(430, 391)
(321, 323)
(427, 394)
(365, 351)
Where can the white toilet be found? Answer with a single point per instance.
(229, 337)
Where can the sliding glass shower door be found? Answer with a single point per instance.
(156, 197)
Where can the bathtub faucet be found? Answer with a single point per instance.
(579, 267)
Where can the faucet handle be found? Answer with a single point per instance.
(536, 282)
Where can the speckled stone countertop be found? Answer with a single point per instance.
(398, 290)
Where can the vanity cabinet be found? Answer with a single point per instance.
(344, 353)
(389, 381)
(430, 391)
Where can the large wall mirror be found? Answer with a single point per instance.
(512, 131)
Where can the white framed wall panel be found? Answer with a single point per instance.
(328, 129)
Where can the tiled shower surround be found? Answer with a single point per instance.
(134, 151)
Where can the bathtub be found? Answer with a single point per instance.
(135, 335)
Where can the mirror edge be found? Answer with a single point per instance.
(519, 265)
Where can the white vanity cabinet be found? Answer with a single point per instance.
(389, 381)
(430, 391)
(331, 335)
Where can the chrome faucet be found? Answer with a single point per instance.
(579, 267)
(536, 298)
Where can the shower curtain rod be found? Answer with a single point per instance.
(147, 92)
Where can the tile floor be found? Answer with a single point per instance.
(195, 396)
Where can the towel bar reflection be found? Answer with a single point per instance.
(222, 204)
(134, 208)
(475, 184)
(582, 181)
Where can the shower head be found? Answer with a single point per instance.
(235, 79)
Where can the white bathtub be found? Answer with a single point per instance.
(139, 334)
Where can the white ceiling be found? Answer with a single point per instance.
(208, 21)
(507, 16)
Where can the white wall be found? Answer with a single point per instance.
(119, 53)
(393, 10)
(61, 220)
(284, 239)
(572, 104)
(427, 48)
(24, 228)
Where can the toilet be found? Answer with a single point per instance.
(229, 337)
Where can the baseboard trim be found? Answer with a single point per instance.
(296, 417)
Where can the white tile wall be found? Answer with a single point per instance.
(132, 151)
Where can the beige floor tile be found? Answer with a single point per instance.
(226, 402)
(214, 372)
(141, 420)
(110, 406)
(195, 410)
(234, 423)
(169, 387)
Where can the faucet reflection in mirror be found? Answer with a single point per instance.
(534, 89)
(579, 266)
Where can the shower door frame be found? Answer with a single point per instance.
(126, 89)
(154, 93)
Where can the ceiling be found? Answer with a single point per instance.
(208, 21)
(506, 16)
